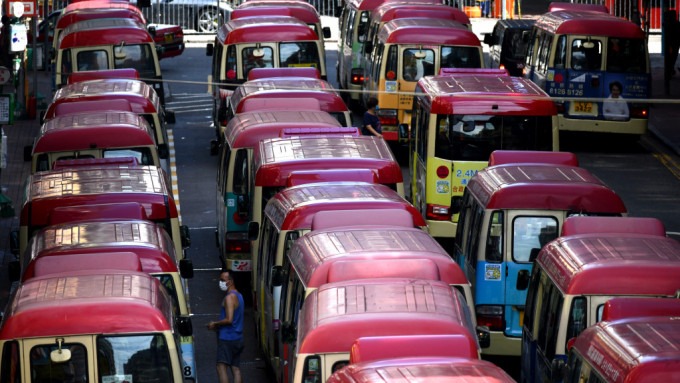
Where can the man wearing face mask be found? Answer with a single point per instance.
(229, 331)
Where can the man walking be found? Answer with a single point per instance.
(229, 331)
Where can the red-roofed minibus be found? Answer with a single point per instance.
(622, 225)
(292, 212)
(95, 135)
(425, 369)
(234, 185)
(458, 120)
(643, 349)
(109, 44)
(260, 42)
(318, 340)
(92, 326)
(508, 213)
(100, 192)
(405, 50)
(578, 57)
(141, 97)
(101, 74)
(357, 251)
(630, 307)
(281, 104)
(258, 73)
(373, 348)
(574, 276)
(308, 15)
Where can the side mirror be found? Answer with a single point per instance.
(14, 242)
(483, 336)
(456, 204)
(214, 147)
(490, 39)
(170, 116)
(253, 230)
(28, 153)
(209, 49)
(184, 325)
(326, 32)
(163, 151)
(560, 368)
(14, 271)
(185, 236)
(368, 47)
(152, 31)
(523, 277)
(403, 130)
(186, 268)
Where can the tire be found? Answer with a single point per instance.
(207, 20)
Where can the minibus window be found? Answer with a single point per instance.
(137, 57)
(544, 53)
(299, 54)
(240, 183)
(92, 60)
(599, 311)
(460, 57)
(626, 55)
(230, 65)
(391, 64)
(140, 357)
(362, 28)
(414, 68)
(577, 319)
(549, 320)
(574, 369)
(66, 65)
(10, 368)
(494, 238)
(312, 370)
(561, 52)
(530, 234)
(461, 239)
(586, 54)
(475, 229)
(169, 284)
(514, 43)
(532, 292)
(350, 27)
(143, 155)
(377, 63)
(251, 61)
(42, 163)
(43, 369)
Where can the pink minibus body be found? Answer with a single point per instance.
(374, 348)
(621, 225)
(260, 73)
(630, 307)
(508, 157)
(319, 340)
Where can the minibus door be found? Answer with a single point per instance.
(585, 78)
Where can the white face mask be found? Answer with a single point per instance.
(223, 286)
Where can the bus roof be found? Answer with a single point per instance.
(315, 254)
(294, 207)
(363, 5)
(247, 129)
(613, 264)
(286, 87)
(302, 13)
(630, 307)
(115, 302)
(120, 105)
(48, 190)
(87, 75)
(427, 31)
(621, 225)
(265, 29)
(343, 218)
(563, 6)
(467, 93)
(337, 314)
(643, 349)
(396, 10)
(119, 10)
(258, 73)
(121, 260)
(142, 98)
(93, 130)
(544, 187)
(104, 32)
(106, 4)
(588, 23)
(422, 369)
(276, 3)
(277, 158)
(86, 162)
(279, 104)
(502, 157)
(375, 348)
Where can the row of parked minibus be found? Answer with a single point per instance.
(321, 241)
(99, 290)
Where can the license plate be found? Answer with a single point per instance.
(170, 37)
(583, 107)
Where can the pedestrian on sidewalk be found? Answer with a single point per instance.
(229, 331)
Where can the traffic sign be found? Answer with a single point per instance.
(30, 8)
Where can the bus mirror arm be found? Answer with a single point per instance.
(184, 326)
(253, 230)
(185, 236)
(489, 39)
(484, 336)
(14, 242)
(186, 268)
(456, 204)
(209, 49)
(403, 131)
(368, 47)
(523, 277)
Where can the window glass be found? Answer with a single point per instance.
(599, 311)
(137, 57)
(10, 368)
(230, 65)
(530, 234)
(460, 57)
(391, 63)
(494, 238)
(586, 54)
(240, 182)
(626, 55)
(299, 54)
(134, 358)
(514, 43)
(142, 155)
(530, 311)
(43, 369)
(350, 28)
(362, 28)
(561, 52)
(417, 63)
(251, 60)
(473, 234)
(577, 318)
(169, 284)
(263, 254)
(312, 370)
(549, 320)
(92, 60)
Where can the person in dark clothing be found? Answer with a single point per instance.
(229, 331)
(371, 122)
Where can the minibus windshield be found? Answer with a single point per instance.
(138, 358)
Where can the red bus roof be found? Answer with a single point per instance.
(427, 31)
(620, 225)
(641, 349)
(115, 302)
(294, 208)
(119, 10)
(141, 97)
(502, 157)
(545, 187)
(246, 130)
(276, 159)
(422, 369)
(329, 219)
(323, 256)
(485, 94)
(104, 32)
(265, 29)
(562, 6)
(276, 3)
(86, 162)
(363, 5)
(52, 189)
(118, 210)
(90, 4)
(102, 74)
(337, 314)
(258, 73)
(396, 10)
(631, 307)
(279, 104)
(376, 348)
(287, 87)
(121, 260)
(302, 13)
(613, 264)
(120, 105)
(93, 130)
(588, 23)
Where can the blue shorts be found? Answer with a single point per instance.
(229, 352)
